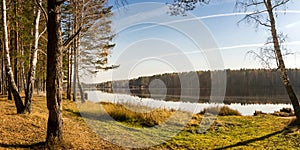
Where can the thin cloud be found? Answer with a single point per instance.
(293, 43)
(291, 25)
(209, 17)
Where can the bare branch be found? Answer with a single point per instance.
(44, 31)
(255, 17)
(70, 39)
(245, 4)
(263, 61)
(43, 10)
(280, 4)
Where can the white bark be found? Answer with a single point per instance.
(6, 48)
(33, 61)
(10, 75)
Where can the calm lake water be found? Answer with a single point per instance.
(245, 109)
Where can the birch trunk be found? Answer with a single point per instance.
(33, 62)
(280, 60)
(10, 75)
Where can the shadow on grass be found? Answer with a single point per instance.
(39, 145)
(75, 113)
(252, 140)
(87, 115)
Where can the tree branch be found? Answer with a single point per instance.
(61, 2)
(281, 3)
(43, 10)
(45, 29)
(258, 21)
(70, 39)
(252, 16)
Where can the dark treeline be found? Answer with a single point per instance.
(243, 86)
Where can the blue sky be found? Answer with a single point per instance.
(150, 41)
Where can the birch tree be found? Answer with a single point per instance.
(33, 59)
(262, 13)
(10, 76)
(269, 7)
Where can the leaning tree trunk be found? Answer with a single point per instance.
(281, 64)
(54, 74)
(10, 76)
(33, 62)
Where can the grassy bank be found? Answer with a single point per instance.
(28, 131)
(148, 128)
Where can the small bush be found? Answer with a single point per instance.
(222, 111)
(149, 119)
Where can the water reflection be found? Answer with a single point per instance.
(253, 96)
(144, 100)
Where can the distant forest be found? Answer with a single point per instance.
(243, 86)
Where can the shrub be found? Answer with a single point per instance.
(222, 111)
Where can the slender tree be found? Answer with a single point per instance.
(10, 76)
(33, 60)
(269, 21)
(264, 14)
(85, 15)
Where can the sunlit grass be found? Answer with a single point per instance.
(87, 124)
(147, 119)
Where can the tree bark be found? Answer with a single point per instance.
(1, 82)
(10, 75)
(33, 62)
(69, 73)
(281, 64)
(75, 60)
(16, 44)
(54, 74)
(80, 88)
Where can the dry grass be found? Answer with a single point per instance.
(28, 131)
(221, 111)
(147, 119)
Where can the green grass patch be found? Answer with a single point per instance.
(238, 132)
(228, 131)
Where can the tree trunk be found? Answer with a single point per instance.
(75, 62)
(54, 74)
(75, 72)
(3, 81)
(1, 56)
(10, 75)
(8, 89)
(281, 64)
(80, 88)
(33, 62)
(69, 86)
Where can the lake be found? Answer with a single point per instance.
(194, 107)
